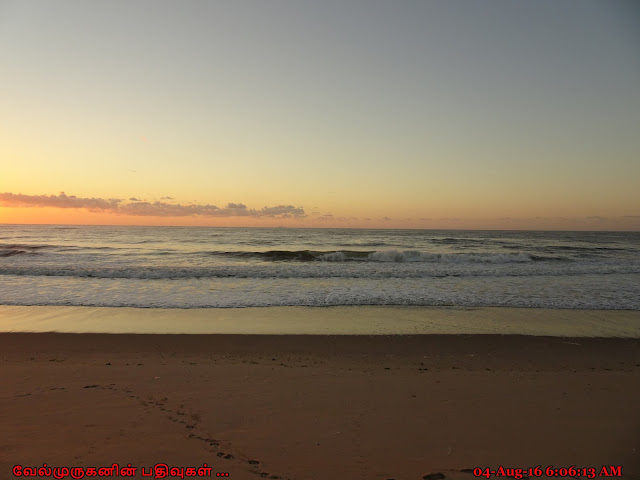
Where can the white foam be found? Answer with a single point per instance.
(584, 292)
(415, 256)
(333, 257)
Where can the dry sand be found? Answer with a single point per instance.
(319, 407)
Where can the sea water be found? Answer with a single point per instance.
(194, 267)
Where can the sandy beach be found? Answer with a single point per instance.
(301, 407)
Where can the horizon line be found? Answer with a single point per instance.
(323, 228)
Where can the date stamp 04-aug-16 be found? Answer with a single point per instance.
(550, 471)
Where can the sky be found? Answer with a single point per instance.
(492, 114)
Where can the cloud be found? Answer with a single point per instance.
(596, 217)
(280, 210)
(136, 207)
(166, 198)
(162, 209)
(329, 217)
(238, 206)
(58, 201)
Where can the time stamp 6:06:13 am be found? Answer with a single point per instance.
(550, 472)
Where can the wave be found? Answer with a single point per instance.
(364, 244)
(10, 252)
(11, 249)
(457, 241)
(319, 270)
(415, 256)
(576, 248)
(61, 247)
(22, 246)
(397, 256)
(568, 304)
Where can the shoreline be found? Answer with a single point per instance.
(333, 320)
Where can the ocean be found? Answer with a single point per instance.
(195, 267)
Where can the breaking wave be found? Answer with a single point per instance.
(397, 256)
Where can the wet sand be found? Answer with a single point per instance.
(315, 407)
(349, 320)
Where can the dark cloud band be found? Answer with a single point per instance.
(152, 209)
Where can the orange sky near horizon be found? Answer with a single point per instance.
(44, 215)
